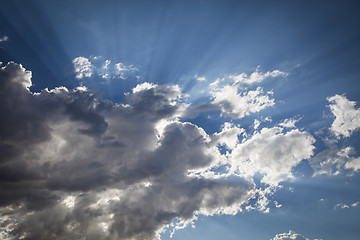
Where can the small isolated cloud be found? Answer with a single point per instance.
(233, 99)
(346, 206)
(4, 38)
(257, 122)
(255, 77)
(123, 69)
(347, 117)
(291, 235)
(236, 101)
(200, 78)
(272, 152)
(94, 66)
(289, 123)
(83, 67)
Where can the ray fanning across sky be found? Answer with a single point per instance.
(179, 120)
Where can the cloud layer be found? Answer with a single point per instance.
(77, 166)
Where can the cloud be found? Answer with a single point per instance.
(240, 104)
(94, 66)
(198, 78)
(272, 152)
(123, 68)
(4, 38)
(233, 96)
(83, 67)
(289, 123)
(291, 235)
(235, 100)
(76, 166)
(353, 163)
(345, 206)
(333, 161)
(229, 135)
(255, 77)
(347, 117)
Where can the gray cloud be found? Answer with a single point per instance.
(76, 166)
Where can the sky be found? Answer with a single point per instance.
(149, 120)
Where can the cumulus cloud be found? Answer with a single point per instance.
(94, 66)
(272, 152)
(347, 117)
(234, 96)
(76, 166)
(291, 235)
(240, 104)
(236, 100)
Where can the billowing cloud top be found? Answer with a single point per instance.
(347, 117)
(75, 165)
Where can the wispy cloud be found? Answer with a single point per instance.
(346, 206)
(291, 235)
(255, 77)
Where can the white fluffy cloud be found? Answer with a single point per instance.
(272, 152)
(347, 117)
(240, 104)
(235, 100)
(291, 235)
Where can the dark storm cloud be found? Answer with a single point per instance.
(75, 166)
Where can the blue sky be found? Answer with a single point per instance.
(271, 87)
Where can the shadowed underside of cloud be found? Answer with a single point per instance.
(75, 166)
